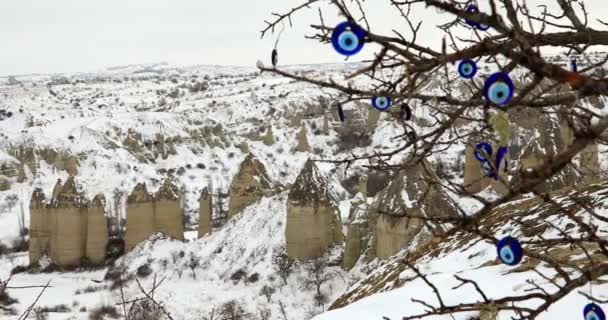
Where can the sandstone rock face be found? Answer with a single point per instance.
(313, 222)
(204, 221)
(357, 237)
(411, 192)
(303, 145)
(97, 231)
(373, 117)
(249, 185)
(69, 227)
(474, 179)
(168, 216)
(546, 144)
(325, 129)
(589, 163)
(5, 184)
(140, 216)
(10, 167)
(40, 232)
(268, 138)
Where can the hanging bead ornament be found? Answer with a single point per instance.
(485, 148)
(473, 9)
(593, 312)
(347, 38)
(381, 103)
(274, 58)
(509, 251)
(467, 68)
(573, 66)
(498, 89)
(406, 112)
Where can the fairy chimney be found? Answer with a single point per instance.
(204, 220)
(313, 220)
(97, 231)
(249, 185)
(303, 145)
(168, 216)
(140, 216)
(40, 232)
(268, 138)
(68, 227)
(357, 236)
(413, 192)
(546, 143)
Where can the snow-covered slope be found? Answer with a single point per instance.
(389, 290)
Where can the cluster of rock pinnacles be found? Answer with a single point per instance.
(68, 228)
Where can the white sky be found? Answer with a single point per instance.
(47, 36)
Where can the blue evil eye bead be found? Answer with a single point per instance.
(381, 103)
(474, 9)
(482, 27)
(347, 38)
(406, 113)
(471, 9)
(593, 312)
(498, 89)
(509, 251)
(483, 147)
(573, 66)
(467, 68)
(340, 112)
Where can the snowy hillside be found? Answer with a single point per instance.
(115, 128)
(389, 291)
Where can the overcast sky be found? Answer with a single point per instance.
(39, 36)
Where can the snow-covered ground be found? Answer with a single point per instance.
(91, 115)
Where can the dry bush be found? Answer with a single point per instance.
(101, 312)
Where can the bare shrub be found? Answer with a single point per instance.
(267, 291)
(144, 270)
(233, 311)
(282, 263)
(101, 312)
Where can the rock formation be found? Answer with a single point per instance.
(545, 145)
(204, 220)
(357, 237)
(313, 221)
(325, 129)
(302, 145)
(40, 233)
(268, 138)
(68, 212)
(412, 192)
(97, 231)
(140, 216)
(249, 185)
(168, 216)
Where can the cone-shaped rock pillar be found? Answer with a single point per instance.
(249, 185)
(313, 221)
(168, 216)
(97, 231)
(413, 192)
(68, 234)
(140, 216)
(204, 220)
(40, 233)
